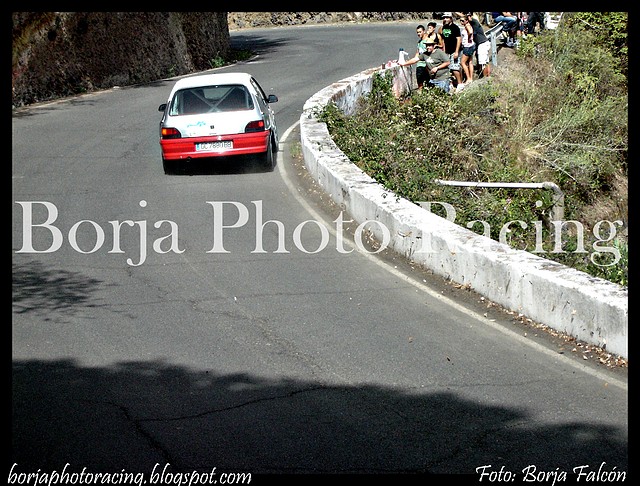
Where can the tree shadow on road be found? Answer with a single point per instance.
(40, 290)
(135, 415)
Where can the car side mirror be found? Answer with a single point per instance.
(272, 98)
(162, 107)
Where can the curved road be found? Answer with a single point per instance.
(285, 360)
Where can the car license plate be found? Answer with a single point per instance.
(225, 144)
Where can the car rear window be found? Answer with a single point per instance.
(211, 99)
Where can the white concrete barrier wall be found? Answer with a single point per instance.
(590, 309)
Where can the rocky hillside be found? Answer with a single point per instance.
(243, 20)
(57, 54)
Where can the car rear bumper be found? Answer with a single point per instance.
(243, 144)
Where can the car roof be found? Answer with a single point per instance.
(211, 79)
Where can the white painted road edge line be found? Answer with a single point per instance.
(424, 288)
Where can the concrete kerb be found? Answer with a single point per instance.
(590, 309)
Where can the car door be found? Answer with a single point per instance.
(267, 111)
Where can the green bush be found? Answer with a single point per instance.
(559, 115)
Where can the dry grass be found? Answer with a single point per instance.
(530, 121)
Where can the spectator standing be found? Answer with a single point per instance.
(432, 34)
(422, 75)
(533, 19)
(452, 40)
(483, 45)
(521, 27)
(468, 50)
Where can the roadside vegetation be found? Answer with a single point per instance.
(558, 112)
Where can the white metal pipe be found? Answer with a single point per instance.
(557, 211)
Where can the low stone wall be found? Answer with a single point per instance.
(590, 309)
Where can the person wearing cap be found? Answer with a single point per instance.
(437, 65)
(452, 40)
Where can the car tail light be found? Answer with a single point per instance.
(254, 126)
(171, 133)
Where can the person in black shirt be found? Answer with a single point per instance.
(452, 38)
(483, 45)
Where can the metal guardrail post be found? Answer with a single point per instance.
(557, 211)
(492, 34)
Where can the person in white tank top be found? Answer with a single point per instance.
(468, 50)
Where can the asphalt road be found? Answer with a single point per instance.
(155, 355)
